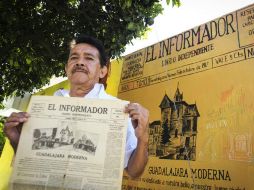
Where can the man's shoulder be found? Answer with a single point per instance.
(105, 95)
(61, 92)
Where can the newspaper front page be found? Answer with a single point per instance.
(71, 143)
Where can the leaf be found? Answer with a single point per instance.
(174, 3)
(131, 26)
(2, 136)
(11, 62)
(177, 3)
(28, 61)
(16, 64)
(129, 2)
(168, 2)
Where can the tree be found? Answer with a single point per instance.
(2, 136)
(35, 35)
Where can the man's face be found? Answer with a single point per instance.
(83, 66)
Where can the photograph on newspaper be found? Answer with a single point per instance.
(71, 143)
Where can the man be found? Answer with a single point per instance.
(86, 66)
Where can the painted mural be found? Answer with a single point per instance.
(198, 86)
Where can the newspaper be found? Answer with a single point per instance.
(71, 143)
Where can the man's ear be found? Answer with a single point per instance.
(103, 71)
(104, 74)
(65, 69)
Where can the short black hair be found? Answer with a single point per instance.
(82, 38)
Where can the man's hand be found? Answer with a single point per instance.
(139, 117)
(13, 126)
(140, 121)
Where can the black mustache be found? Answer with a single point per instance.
(79, 68)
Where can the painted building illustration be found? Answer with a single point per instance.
(174, 135)
(239, 147)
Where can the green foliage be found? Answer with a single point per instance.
(2, 136)
(1, 106)
(35, 35)
(174, 2)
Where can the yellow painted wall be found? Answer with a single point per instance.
(114, 77)
(5, 165)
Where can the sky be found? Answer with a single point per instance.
(190, 14)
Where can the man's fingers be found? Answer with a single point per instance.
(16, 119)
(135, 117)
(13, 126)
(132, 106)
(10, 125)
(20, 114)
(134, 112)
